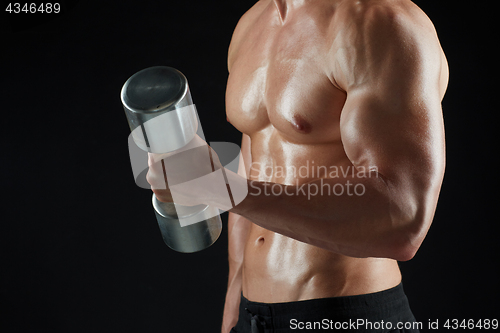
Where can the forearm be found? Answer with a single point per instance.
(351, 216)
(232, 303)
(238, 229)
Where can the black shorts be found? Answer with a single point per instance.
(384, 311)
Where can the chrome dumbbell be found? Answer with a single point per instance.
(163, 119)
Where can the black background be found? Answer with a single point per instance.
(80, 249)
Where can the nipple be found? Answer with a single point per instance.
(300, 124)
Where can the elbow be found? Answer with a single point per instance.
(409, 217)
(407, 238)
(404, 253)
(403, 247)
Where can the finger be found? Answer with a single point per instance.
(156, 176)
(163, 195)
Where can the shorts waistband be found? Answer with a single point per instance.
(344, 303)
(387, 305)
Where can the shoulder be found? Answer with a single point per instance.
(369, 33)
(363, 14)
(244, 24)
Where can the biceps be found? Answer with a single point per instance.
(245, 156)
(238, 226)
(403, 140)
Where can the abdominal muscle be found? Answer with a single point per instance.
(277, 268)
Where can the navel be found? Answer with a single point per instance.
(300, 124)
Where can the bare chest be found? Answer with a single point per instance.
(280, 79)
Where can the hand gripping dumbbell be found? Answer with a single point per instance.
(163, 119)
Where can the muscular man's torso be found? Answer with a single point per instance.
(281, 93)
